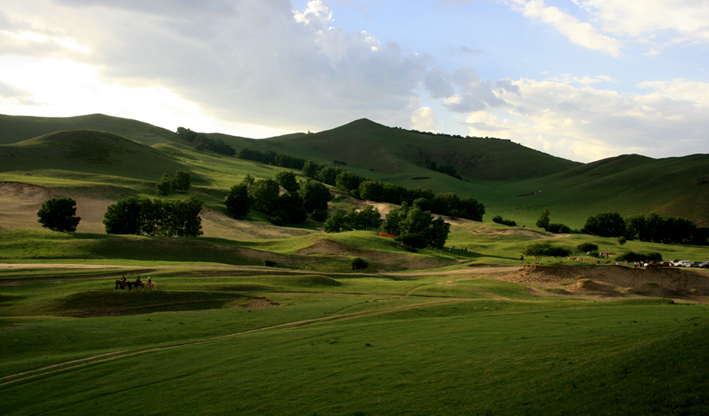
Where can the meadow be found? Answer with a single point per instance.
(461, 330)
(260, 343)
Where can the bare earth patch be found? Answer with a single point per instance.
(614, 281)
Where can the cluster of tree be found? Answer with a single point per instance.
(639, 257)
(202, 142)
(545, 249)
(145, 216)
(323, 173)
(499, 220)
(415, 227)
(180, 183)
(368, 218)
(369, 189)
(59, 214)
(650, 228)
(449, 170)
(272, 158)
(291, 207)
(545, 223)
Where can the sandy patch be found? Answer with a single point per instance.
(615, 281)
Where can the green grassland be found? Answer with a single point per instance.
(435, 332)
(340, 345)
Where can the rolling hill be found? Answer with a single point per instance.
(509, 179)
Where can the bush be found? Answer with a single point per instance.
(359, 264)
(639, 257)
(499, 220)
(586, 247)
(269, 263)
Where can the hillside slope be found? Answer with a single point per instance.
(86, 151)
(14, 129)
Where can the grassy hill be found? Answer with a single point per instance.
(87, 152)
(506, 177)
(15, 129)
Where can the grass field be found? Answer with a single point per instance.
(329, 344)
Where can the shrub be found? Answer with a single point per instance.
(499, 220)
(586, 247)
(269, 263)
(359, 264)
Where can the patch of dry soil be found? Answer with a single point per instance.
(615, 281)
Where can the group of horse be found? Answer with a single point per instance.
(122, 284)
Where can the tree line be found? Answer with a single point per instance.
(202, 142)
(375, 190)
(272, 158)
(649, 228)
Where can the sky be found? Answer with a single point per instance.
(579, 79)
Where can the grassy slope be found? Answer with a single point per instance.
(15, 129)
(342, 346)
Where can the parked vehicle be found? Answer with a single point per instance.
(695, 264)
(705, 265)
(658, 264)
(681, 263)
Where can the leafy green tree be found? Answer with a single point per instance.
(155, 217)
(237, 201)
(372, 190)
(124, 217)
(543, 221)
(438, 234)
(349, 182)
(337, 222)
(59, 214)
(311, 169)
(315, 196)
(184, 219)
(545, 249)
(471, 209)
(368, 218)
(264, 194)
(606, 224)
(291, 208)
(288, 181)
(182, 181)
(328, 174)
(164, 185)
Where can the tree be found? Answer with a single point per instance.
(155, 217)
(543, 221)
(337, 222)
(237, 201)
(607, 224)
(184, 219)
(539, 250)
(287, 181)
(123, 217)
(59, 214)
(182, 181)
(291, 209)
(315, 196)
(164, 185)
(264, 194)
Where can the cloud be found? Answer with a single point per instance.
(582, 33)
(583, 123)
(688, 18)
(243, 61)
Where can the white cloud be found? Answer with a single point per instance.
(583, 123)
(243, 61)
(582, 33)
(423, 119)
(637, 18)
